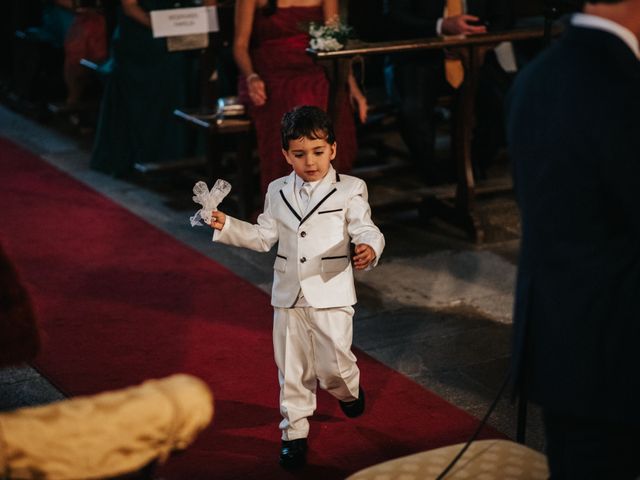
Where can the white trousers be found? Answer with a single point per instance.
(312, 346)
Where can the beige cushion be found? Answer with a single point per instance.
(484, 460)
(104, 435)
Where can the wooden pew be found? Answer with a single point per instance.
(459, 208)
(242, 129)
(206, 118)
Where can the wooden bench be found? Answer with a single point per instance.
(215, 127)
(214, 64)
(84, 115)
(36, 72)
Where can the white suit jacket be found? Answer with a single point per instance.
(313, 249)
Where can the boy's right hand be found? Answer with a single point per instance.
(217, 219)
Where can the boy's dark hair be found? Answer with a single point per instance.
(306, 121)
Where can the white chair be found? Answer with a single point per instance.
(484, 460)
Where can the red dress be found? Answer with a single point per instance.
(278, 44)
(86, 38)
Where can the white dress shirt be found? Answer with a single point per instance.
(302, 203)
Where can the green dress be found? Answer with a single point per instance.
(147, 83)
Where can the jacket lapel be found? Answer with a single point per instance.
(322, 192)
(287, 194)
(324, 187)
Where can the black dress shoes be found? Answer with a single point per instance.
(355, 408)
(293, 453)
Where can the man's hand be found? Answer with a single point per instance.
(363, 257)
(217, 219)
(462, 25)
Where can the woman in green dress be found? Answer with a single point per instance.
(146, 84)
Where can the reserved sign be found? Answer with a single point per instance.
(184, 21)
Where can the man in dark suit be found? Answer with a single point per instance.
(573, 132)
(419, 78)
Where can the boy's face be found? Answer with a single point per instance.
(310, 157)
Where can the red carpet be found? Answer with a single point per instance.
(120, 301)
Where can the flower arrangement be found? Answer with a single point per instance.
(331, 36)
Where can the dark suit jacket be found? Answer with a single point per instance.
(574, 139)
(418, 18)
(409, 19)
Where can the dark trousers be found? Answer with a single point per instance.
(589, 449)
(418, 85)
(489, 134)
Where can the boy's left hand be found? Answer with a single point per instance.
(363, 257)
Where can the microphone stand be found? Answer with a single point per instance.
(554, 9)
(551, 13)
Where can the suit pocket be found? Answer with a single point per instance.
(330, 211)
(331, 223)
(280, 264)
(334, 264)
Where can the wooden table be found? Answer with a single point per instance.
(471, 50)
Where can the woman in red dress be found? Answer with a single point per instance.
(276, 75)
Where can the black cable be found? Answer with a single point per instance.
(551, 14)
(483, 422)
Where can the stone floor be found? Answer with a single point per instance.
(437, 308)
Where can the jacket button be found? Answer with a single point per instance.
(303, 234)
(303, 259)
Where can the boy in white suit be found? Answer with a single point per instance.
(313, 215)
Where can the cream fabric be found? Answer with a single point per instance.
(454, 70)
(484, 460)
(312, 346)
(104, 435)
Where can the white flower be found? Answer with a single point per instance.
(209, 199)
(329, 37)
(317, 31)
(325, 44)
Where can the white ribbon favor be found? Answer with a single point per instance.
(209, 199)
